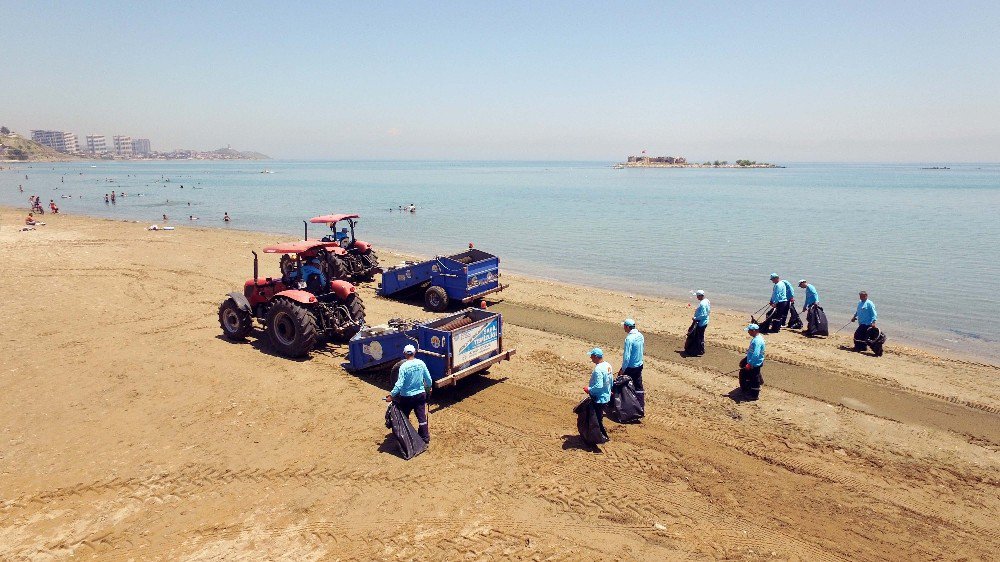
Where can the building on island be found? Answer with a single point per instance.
(657, 159)
(140, 147)
(123, 146)
(97, 144)
(57, 140)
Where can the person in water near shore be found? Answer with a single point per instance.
(632, 358)
(751, 378)
(700, 318)
(225, 216)
(782, 298)
(411, 389)
(866, 316)
(599, 388)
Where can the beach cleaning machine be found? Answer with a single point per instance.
(453, 347)
(462, 277)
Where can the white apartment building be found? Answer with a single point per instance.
(123, 146)
(97, 144)
(140, 147)
(58, 140)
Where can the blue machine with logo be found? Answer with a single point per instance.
(453, 347)
(462, 277)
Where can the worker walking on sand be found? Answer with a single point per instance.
(632, 358)
(599, 388)
(782, 297)
(865, 316)
(812, 296)
(751, 378)
(700, 321)
(410, 391)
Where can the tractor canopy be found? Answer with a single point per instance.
(330, 219)
(300, 247)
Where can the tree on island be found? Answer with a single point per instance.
(746, 163)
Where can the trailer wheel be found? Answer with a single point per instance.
(436, 299)
(291, 328)
(236, 323)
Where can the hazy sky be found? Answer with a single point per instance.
(776, 81)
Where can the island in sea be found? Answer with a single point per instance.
(643, 161)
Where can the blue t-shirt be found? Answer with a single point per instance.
(866, 312)
(755, 353)
(413, 378)
(634, 347)
(702, 312)
(600, 383)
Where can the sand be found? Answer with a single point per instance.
(132, 430)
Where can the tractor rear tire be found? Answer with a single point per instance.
(236, 323)
(436, 299)
(291, 328)
(373, 260)
(337, 268)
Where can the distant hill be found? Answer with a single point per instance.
(14, 147)
(229, 153)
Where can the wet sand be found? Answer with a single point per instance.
(132, 430)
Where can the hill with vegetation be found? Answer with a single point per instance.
(15, 147)
(229, 153)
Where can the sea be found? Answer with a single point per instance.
(924, 243)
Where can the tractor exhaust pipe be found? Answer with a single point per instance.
(254, 267)
(305, 228)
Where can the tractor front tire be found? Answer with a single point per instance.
(291, 328)
(436, 299)
(236, 323)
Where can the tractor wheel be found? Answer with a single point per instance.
(236, 323)
(436, 299)
(337, 268)
(291, 328)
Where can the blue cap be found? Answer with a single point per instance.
(751, 327)
(629, 322)
(409, 349)
(597, 351)
(774, 276)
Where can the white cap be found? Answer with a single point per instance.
(801, 281)
(699, 293)
(409, 349)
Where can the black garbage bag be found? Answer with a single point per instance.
(410, 442)
(817, 324)
(624, 406)
(794, 320)
(689, 342)
(765, 323)
(588, 424)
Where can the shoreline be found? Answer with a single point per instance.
(742, 306)
(136, 429)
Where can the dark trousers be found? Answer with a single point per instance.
(750, 380)
(698, 341)
(779, 317)
(599, 410)
(417, 404)
(861, 340)
(640, 391)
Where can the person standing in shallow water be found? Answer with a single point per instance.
(632, 358)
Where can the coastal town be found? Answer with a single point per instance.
(644, 161)
(52, 145)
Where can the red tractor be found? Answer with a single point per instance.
(297, 309)
(356, 260)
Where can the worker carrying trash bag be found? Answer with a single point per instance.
(782, 297)
(590, 412)
(632, 358)
(816, 324)
(867, 335)
(751, 378)
(409, 393)
(624, 406)
(694, 345)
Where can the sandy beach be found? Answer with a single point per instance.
(133, 431)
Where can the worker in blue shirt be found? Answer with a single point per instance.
(865, 316)
(599, 388)
(632, 358)
(782, 296)
(751, 378)
(812, 296)
(699, 323)
(410, 392)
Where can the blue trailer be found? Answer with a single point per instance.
(462, 277)
(453, 347)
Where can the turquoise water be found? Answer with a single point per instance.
(924, 243)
